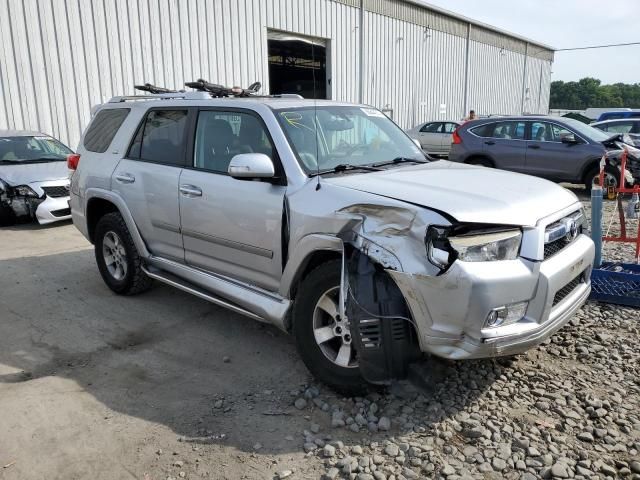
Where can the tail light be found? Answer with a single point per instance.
(457, 139)
(73, 159)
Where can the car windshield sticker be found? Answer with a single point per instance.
(372, 112)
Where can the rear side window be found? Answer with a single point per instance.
(161, 138)
(103, 128)
(506, 130)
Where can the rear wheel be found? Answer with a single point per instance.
(322, 335)
(117, 256)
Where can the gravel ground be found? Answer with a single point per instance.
(146, 408)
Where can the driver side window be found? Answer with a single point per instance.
(431, 127)
(220, 135)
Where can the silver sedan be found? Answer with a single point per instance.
(434, 137)
(34, 178)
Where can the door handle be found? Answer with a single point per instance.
(190, 191)
(125, 178)
(535, 147)
(489, 143)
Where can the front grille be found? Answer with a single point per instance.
(552, 248)
(567, 289)
(56, 192)
(63, 212)
(562, 233)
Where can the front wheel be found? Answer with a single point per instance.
(611, 177)
(118, 259)
(322, 336)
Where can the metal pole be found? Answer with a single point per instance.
(361, 59)
(596, 223)
(524, 75)
(466, 72)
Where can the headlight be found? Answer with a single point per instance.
(487, 247)
(444, 246)
(25, 191)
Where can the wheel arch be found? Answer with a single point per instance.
(479, 156)
(101, 202)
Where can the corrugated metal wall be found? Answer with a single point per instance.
(58, 58)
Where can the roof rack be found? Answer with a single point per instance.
(204, 90)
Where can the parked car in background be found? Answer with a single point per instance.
(434, 137)
(556, 148)
(34, 178)
(629, 127)
(326, 220)
(618, 114)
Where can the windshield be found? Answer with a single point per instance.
(587, 130)
(27, 149)
(346, 135)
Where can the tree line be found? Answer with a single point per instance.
(589, 92)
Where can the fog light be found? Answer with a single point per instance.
(506, 314)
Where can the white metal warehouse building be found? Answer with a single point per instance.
(58, 58)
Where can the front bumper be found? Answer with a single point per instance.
(450, 310)
(53, 210)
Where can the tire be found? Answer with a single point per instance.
(593, 174)
(113, 241)
(322, 281)
(481, 162)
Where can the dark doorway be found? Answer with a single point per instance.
(294, 63)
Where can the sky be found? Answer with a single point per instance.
(567, 24)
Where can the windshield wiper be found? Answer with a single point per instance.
(343, 167)
(400, 160)
(34, 160)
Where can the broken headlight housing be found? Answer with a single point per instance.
(447, 244)
(25, 191)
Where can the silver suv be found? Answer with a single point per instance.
(326, 220)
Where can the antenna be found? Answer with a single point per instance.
(315, 113)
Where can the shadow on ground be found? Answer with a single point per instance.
(161, 356)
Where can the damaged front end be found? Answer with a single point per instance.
(18, 203)
(384, 335)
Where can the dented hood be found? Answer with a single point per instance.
(23, 174)
(465, 192)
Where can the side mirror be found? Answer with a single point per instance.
(417, 142)
(568, 138)
(251, 165)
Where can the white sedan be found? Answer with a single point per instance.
(34, 178)
(434, 137)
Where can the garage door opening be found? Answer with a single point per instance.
(294, 62)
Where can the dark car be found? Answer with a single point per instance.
(558, 149)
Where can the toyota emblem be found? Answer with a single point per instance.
(573, 231)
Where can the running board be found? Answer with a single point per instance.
(180, 284)
(256, 302)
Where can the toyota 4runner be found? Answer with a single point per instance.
(326, 220)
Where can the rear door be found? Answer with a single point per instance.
(504, 143)
(229, 226)
(147, 179)
(548, 157)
